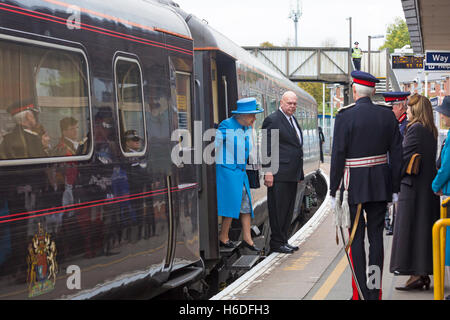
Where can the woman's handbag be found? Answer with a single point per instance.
(414, 164)
(253, 179)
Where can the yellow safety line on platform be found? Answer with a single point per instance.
(323, 292)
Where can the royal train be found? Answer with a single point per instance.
(92, 203)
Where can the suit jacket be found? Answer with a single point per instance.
(290, 167)
(363, 130)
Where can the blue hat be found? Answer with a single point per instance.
(364, 78)
(444, 108)
(247, 106)
(395, 96)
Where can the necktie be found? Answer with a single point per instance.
(293, 127)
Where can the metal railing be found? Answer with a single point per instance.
(439, 234)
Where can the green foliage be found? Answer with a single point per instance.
(316, 90)
(266, 44)
(397, 35)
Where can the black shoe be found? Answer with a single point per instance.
(389, 232)
(282, 249)
(251, 247)
(228, 244)
(295, 248)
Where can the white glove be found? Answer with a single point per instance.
(395, 197)
(333, 202)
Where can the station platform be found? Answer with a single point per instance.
(317, 271)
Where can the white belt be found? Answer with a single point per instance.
(361, 163)
(342, 212)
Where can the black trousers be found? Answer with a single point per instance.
(375, 212)
(280, 201)
(357, 63)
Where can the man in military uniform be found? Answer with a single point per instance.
(23, 142)
(398, 102)
(356, 56)
(364, 134)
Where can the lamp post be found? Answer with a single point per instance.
(350, 93)
(295, 16)
(368, 57)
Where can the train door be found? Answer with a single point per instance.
(226, 85)
(183, 238)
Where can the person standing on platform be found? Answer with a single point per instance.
(398, 101)
(321, 141)
(441, 183)
(233, 145)
(282, 186)
(356, 56)
(364, 134)
(418, 206)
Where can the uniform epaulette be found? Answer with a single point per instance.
(346, 107)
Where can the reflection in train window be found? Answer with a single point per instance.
(43, 92)
(271, 105)
(130, 106)
(183, 87)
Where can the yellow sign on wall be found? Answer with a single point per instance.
(182, 103)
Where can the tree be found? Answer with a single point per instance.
(266, 44)
(316, 90)
(397, 35)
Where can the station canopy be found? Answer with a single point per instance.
(428, 24)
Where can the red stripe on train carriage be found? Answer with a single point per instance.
(99, 28)
(75, 205)
(109, 33)
(79, 206)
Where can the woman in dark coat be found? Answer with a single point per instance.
(418, 206)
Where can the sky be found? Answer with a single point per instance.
(251, 22)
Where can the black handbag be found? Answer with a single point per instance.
(253, 179)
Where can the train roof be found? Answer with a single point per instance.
(207, 38)
(144, 14)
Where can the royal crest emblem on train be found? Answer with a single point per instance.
(42, 265)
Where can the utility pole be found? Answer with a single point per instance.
(295, 15)
(350, 93)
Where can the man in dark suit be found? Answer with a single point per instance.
(364, 134)
(282, 185)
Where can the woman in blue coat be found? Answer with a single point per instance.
(441, 184)
(233, 145)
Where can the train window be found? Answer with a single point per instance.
(183, 87)
(130, 106)
(271, 105)
(44, 103)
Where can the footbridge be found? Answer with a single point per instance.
(326, 64)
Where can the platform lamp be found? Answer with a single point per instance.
(295, 15)
(370, 39)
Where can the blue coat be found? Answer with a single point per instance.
(231, 159)
(442, 182)
(442, 179)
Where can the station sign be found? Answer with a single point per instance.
(437, 58)
(407, 62)
(434, 102)
(434, 68)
